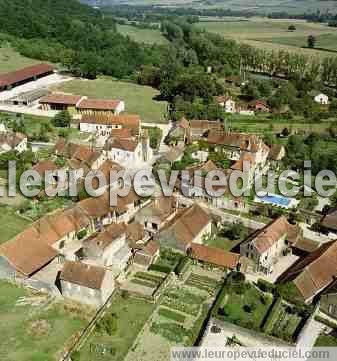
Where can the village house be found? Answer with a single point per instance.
(214, 256)
(265, 246)
(86, 284)
(78, 157)
(12, 141)
(61, 101)
(259, 106)
(241, 146)
(227, 103)
(154, 216)
(201, 128)
(189, 226)
(321, 98)
(126, 151)
(328, 223)
(180, 133)
(108, 248)
(146, 256)
(276, 154)
(314, 273)
(107, 125)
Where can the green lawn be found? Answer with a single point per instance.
(148, 36)
(138, 99)
(131, 314)
(34, 332)
(245, 305)
(326, 341)
(11, 60)
(11, 224)
(222, 243)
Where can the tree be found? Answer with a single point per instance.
(292, 27)
(62, 119)
(311, 41)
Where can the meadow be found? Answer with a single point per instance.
(274, 34)
(39, 329)
(148, 36)
(11, 60)
(138, 99)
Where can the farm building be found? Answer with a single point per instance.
(28, 98)
(59, 101)
(25, 75)
(101, 106)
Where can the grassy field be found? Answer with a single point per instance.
(274, 35)
(131, 315)
(148, 36)
(10, 60)
(32, 328)
(138, 99)
(11, 224)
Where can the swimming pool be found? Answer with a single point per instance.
(276, 200)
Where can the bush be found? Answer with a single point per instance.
(159, 268)
(265, 286)
(182, 266)
(75, 356)
(108, 324)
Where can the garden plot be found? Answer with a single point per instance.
(177, 320)
(202, 282)
(284, 321)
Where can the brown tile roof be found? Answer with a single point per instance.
(83, 274)
(135, 232)
(266, 237)
(161, 207)
(99, 104)
(215, 256)
(127, 144)
(59, 98)
(25, 74)
(27, 253)
(249, 142)
(205, 124)
(186, 226)
(151, 248)
(314, 272)
(306, 245)
(43, 166)
(108, 236)
(130, 121)
(329, 221)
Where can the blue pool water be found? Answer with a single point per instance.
(276, 199)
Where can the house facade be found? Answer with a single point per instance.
(86, 284)
(267, 245)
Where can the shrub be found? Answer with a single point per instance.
(108, 324)
(265, 286)
(75, 356)
(160, 268)
(182, 266)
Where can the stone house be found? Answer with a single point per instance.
(227, 103)
(108, 248)
(189, 226)
(265, 246)
(86, 284)
(147, 255)
(154, 216)
(328, 301)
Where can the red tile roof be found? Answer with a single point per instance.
(98, 104)
(129, 121)
(25, 74)
(45, 165)
(214, 255)
(58, 98)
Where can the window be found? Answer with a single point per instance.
(62, 244)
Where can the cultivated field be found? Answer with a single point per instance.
(274, 35)
(148, 36)
(138, 99)
(39, 327)
(10, 60)
(261, 6)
